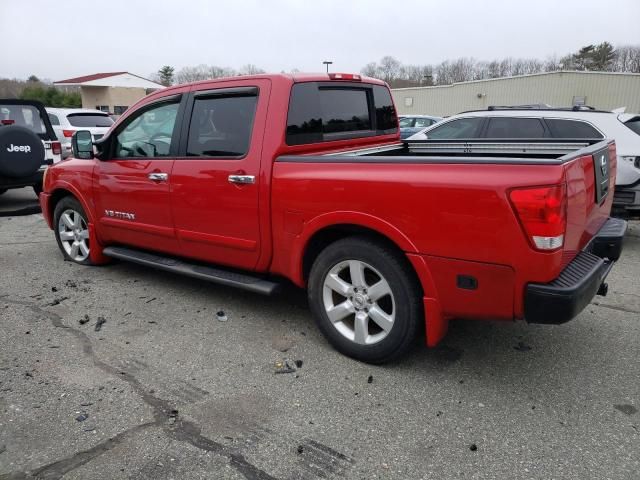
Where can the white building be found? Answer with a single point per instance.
(112, 92)
(602, 90)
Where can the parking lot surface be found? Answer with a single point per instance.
(125, 372)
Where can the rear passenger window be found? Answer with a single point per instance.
(505, 127)
(460, 128)
(54, 120)
(221, 126)
(322, 113)
(571, 129)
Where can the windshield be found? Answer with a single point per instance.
(89, 120)
(406, 122)
(22, 115)
(633, 124)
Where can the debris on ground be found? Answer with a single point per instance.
(473, 447)
(522, 347)
(101, 321)
(3, 448)
(299, 363)
(89, 429)
(57, 301)
(173, 415)
(285, 366)
(300, 449)
(626, 409)
(82, 417)
(71, 284)
(54, 289)
(84, 319)
(370, 379)
(221, 316)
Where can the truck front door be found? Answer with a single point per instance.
(132, 187)
(216, 180)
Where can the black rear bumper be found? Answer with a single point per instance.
(562, 299)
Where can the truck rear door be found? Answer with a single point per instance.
(216, 178)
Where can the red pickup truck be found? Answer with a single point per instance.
(251, 180)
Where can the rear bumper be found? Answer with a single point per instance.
(565, 297)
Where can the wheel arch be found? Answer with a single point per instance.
(68, 190)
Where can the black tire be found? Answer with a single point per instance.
(21, 152)
(37, 189)
(389, 264)
(70, 204)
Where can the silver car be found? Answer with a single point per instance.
(66, 121)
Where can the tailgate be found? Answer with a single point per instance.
(590, 177)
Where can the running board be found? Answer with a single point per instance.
(210, 274)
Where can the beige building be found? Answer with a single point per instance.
(602, 90)
(111, 92)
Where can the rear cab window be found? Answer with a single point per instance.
(89, 120)
(329, 111)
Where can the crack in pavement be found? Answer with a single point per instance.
(615, 307)
(181, 430)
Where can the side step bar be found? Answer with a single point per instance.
(203, 272)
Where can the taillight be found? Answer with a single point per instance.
(68, 133)
(542, 212)
(56, 148)
(8, 122)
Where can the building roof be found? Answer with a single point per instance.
(516, 77)
(111, 79)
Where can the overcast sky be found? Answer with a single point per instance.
(62, 39)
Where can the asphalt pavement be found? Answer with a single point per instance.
(125, 372)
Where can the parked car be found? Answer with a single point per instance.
(549, 122)
(67, 121)
(410, 124)
(27, 144)
(251, 180)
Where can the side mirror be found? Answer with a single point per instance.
(82, 144)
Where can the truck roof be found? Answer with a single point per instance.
(280, 77)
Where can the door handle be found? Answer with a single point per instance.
(242, 179)
(158, 177)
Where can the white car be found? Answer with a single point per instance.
(66, 121)
(549, 122)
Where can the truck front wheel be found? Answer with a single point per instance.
(365, 299)
(71, 227)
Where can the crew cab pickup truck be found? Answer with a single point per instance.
(250, 181)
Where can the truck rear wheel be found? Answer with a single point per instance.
(71, 227)
(365, 300)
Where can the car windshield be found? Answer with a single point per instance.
(22, 115)
(89, 120)
(633, 124)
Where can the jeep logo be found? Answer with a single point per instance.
(19, 148)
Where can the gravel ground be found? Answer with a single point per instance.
(164, 390)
